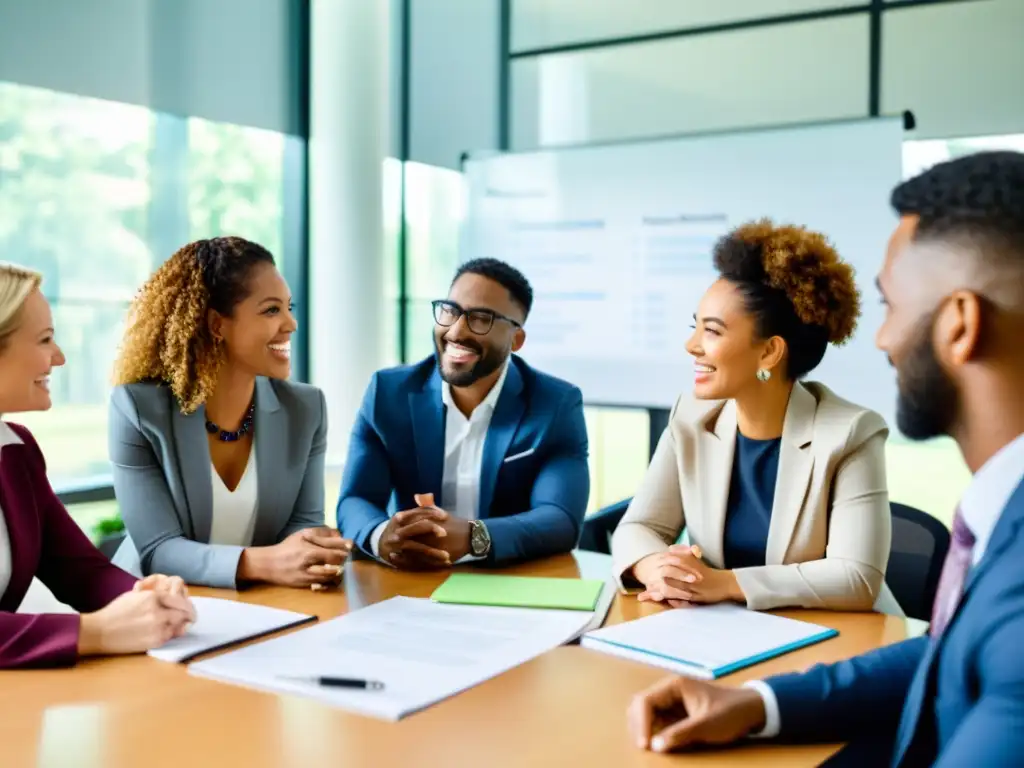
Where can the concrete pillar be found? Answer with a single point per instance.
(349, 127)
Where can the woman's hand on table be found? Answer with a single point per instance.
(680, 577)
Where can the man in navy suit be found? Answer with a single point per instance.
(953, 286)
(479, 456)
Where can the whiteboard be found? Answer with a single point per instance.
(616, 241)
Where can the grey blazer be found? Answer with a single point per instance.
(164, 484)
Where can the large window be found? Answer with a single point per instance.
(433, 217)
(932, 476)
(95, 195)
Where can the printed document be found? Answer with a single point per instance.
(422, 652)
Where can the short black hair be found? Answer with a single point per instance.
(505, 275)
(978, 197)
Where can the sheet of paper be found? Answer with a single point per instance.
(423, 652)
(518, 591)
(712, 636)
(224, 622)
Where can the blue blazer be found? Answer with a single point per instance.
(954, 701)
(535, 481)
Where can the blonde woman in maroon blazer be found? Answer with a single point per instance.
(37, 537)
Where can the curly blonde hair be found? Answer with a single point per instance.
(167, 339)
(796, 286)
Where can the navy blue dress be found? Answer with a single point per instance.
(751, 491)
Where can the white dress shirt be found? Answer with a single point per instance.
(234, 512)
(463, 457)
(7, 437)
(981, 507)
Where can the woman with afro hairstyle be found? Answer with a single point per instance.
(218, 458)
(779, 483)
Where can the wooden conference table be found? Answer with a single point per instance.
(565, 708)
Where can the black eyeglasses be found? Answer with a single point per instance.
(480, 321)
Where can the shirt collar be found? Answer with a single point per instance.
(8, 436)
(488, 403)
(989, 492)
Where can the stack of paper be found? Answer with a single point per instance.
(222, 623)
(706, 641)
(422, 652)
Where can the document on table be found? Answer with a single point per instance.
(222, 623)
(706, 641)
(422, 652)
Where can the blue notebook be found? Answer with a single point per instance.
(706, 641)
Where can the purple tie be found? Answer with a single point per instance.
(954, 573)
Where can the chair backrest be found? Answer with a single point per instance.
(596, 534)
(919, 546)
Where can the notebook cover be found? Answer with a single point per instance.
(725, 669)
(254, 636)
(519, 591)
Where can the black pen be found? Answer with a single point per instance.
(340, 682)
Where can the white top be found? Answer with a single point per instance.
(464, 440)
(7, 437)
(234, 512)
(981, 507)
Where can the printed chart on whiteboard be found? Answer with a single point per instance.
(617, 242)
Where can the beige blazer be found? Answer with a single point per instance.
(830, 531)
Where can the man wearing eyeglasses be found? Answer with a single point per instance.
(478, 456)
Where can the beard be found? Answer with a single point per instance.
(489, 360)
(928, 401)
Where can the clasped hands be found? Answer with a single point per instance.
(156, 610)
(424, 537)
(312, 557)
(679, 576)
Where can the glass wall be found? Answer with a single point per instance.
(433, 218)
(96, 194)
(932, 476)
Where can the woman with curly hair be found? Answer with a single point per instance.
(218, 459)
(779, 483)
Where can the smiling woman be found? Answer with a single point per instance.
(26, 334)
(37, 537)
(209, 488)
(779, 483)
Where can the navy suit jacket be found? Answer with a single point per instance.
(954, 701)
(534, 482)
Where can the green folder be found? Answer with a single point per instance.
(519, 591)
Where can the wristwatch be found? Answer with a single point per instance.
(479, 539)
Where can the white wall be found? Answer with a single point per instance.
(543, 23)
(956, 65)
(707, 82)
(454, 49)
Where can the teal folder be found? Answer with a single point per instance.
(706, 641)
(519, 591)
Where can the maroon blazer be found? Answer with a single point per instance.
(48, 544)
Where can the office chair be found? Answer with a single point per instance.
(597, 529)
(919, 546)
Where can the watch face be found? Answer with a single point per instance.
(479, 541)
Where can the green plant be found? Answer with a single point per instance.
(109, 526)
